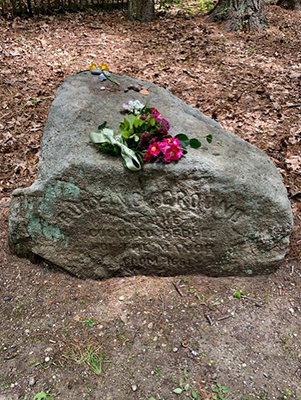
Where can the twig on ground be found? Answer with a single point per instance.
(177, 289)
(292, 105)
(163, 303)
(225, 317)
(209, 319)
(255, 301)
(161, 313)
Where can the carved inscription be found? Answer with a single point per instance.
(196, 202)
(162, 229)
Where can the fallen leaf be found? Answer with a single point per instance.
(294, 162)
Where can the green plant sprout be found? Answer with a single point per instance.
(91, 322)
(185, 388)
(221, 392)
(206, 5)
(287, 394)
(240, 294)
(92, 359)
(42, 396)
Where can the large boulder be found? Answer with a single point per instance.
(222, 210)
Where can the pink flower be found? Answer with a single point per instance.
(173, 153)
(154, 113)
(171, 148)
(176, 141)
(147, 157)
(164, 145)
(168, 142)
(166, 151)
(152, 152)
(154, 149)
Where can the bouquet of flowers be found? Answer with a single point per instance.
(144, 137)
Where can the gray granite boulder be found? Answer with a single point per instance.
(223, 210)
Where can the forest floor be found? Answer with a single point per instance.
(141, 338)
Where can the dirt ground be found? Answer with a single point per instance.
(151, 338)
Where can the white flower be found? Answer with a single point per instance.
(133, 106)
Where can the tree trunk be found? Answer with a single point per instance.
(142, 10)
(240, 14)
(29, 8)
(290, 4)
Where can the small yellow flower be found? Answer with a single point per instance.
(92, 66)
(104, 67)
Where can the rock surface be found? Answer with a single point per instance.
(223, 210)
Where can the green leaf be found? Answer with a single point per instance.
(104, 147)
(183, 139)
(136, 123)
(178, 390)
(152, 122)
(89, 322)
(225, 389)
(194, 395)
(41, 396)
(209, 138)
(195, 143)
(237, 295)
(151, 398)
(217, 303)
(186, 387)
(102, 126)
(116, 151)
(127, 126)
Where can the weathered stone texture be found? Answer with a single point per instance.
(223, 210)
